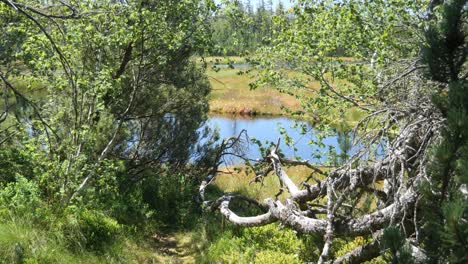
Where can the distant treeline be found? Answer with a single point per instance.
(239, 28)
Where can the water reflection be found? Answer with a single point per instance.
(270, 129)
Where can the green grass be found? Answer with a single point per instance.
(22, 242)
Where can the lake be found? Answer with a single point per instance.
(268, 129)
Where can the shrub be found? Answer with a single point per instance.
(270, 256)
(91, 230)
(227, 249)
(266, 244)
(342, 246)
(269, 237)
(170, 196)
(22, 199)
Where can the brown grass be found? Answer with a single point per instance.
(239, 181)
(232, 94)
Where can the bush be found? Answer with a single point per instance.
(22, 199)
(269, 237)
(270, 256)
(90, 230)
(266, 244)
(171, 197)
(342, 246)
(227, 249)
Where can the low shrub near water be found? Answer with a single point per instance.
(266, 244)
(170, 198)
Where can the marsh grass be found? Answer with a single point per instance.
(231, 94)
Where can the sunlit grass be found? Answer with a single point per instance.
(21, 242)
(239, 181)
(231, 93)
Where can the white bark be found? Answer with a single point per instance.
(403, 165)
(258, 220)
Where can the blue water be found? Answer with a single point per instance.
(267, 129)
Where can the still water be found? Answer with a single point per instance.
(268, 129)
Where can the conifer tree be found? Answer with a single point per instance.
(280, 9)
(269, 6)
(249, 7)
(445, 210)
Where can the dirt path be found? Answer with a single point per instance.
(175, 247)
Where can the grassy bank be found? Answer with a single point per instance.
(231, 94)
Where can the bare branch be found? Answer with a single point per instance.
(73, 13)
(282, 176)
(259, 220)
(360, 254)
